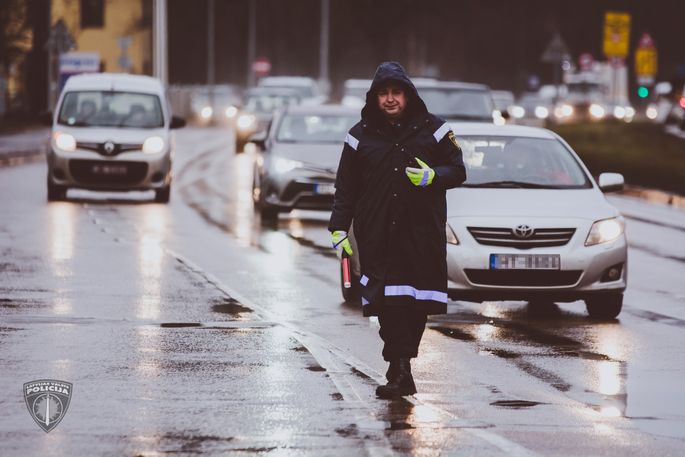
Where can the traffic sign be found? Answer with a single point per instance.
(616, 34)
(261, 66)
(585, 61)
(646, 60)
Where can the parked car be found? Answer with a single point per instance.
(298, 158)
(112, 132)
(307, 88)
(260, 105)
(354, 92)
(530, 223)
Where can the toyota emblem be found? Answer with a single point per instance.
(109, 147)
(523, 232)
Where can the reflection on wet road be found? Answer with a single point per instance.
(193, 328)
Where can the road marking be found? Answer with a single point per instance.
(331, 357)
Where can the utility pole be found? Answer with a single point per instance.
(251, 41)
(210, 52)
(159, 41)
(324, 79)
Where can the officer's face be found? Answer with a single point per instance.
(392, 100)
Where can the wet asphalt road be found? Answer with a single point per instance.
(190, 329)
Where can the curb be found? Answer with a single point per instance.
(655, 196)
(14, 158)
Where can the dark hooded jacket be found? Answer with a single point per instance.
(399, 227)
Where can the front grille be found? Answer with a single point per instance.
(542, 237)
(100, 147)
(94, 172)
(523, 278)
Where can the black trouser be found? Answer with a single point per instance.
(401, 330)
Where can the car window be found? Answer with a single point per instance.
(456, 103)
(268, 103)
(314, 129)
(111, 109)
(537, 162)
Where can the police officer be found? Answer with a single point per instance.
(396, 165)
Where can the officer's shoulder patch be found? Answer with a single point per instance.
(453, 139)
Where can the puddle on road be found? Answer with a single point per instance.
(515, 404)
(230, 306)
(180, 324)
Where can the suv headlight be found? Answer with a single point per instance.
(64, 141)
(451, 236)
(605, 230)
(282, 165)
(245, 121)
(153, 145)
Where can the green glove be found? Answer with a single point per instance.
(421, 177)
(341, 241)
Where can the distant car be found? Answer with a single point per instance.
(530, 223)
(218, 104)
(505, 106)
(112, 132)
(533, 106)
(307, 88)
(260, 105)
(298, 159)
(457, 101)
(354, 92)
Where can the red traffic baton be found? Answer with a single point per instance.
(347, 282)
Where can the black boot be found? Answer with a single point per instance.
(403, 384)
(393, 370)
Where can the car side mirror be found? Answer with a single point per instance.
(259, 139)
(611, 182)
(177, 122)
(45, 118)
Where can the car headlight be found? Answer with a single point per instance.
(517, 111)
(282, 165)
(64, 141)
(231, 111)
(567, 110)
(451, 236)
(206, 112)
(153, 145)
(619, 112)
(605, 230)
(652, 112)
(541, 112)
(597, 111)
(246, 121)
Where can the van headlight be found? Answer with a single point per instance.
(451, 236)
(64, 141)
(153, 145)
(282, 165)
(231, 111)
(605, 230)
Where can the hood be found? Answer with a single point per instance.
(392, 71)
(324, 156)
(543, 203)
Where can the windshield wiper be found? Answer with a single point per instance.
(512, 184)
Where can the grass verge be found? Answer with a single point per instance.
(642, 152)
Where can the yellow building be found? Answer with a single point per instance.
(120, 31)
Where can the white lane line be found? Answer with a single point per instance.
(319, 348)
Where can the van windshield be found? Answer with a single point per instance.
(111, 109)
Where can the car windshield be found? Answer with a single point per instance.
(457, 103)
(314, 128)
(268, 103)
(519, 162)
(111, 109)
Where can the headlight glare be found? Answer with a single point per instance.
(64, 141)
(153, 145)
(231, 111)
(605, 230)
(597, 111)
(245, 121)
(282, 165)
(206, 112)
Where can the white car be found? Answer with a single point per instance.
(112, 132)
(530, 223)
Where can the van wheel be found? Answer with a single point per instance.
(162, 195)
(604, 306)
(56, 193)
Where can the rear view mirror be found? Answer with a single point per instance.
(611, 182)
(259, 139)
(177, 122)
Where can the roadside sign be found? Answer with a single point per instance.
(74, 63)
(556, 51)
(585, 61)
(616, 34)
(645, 60)
(261, 66)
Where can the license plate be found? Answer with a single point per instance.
(525, 261)
(325, 189)
(109, 170)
